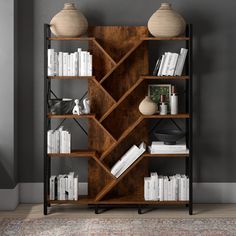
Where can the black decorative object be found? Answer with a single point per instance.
(60, 106)
(169, 137)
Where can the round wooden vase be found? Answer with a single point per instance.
(69, 22)
(147, 106)
(165, 22)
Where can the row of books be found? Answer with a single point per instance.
(170, 64)
(64, 187)
(69, 64)
(159, 147)
(58, 141)
(128, 159)
(164, 188)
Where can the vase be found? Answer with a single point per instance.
(69, 22)
(147, 106)
(166, 22)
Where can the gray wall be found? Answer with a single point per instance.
(214, 82)
(8, 82)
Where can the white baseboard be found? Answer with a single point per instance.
(33, 193)
(9, 199)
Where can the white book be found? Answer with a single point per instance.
(50, 62)
(157, 151)
(49, 141)
(187, 189)
(173, 63)
(83, 63)
(181, 61)
(166, 63)
(71, 186)
(60, 64)
(182, 194)
(161, 188)
(62, 188)
(154, 186)
(147, 183)
(75, 64)
(57, 141)
(66, 187)
(56, 66)
(161, 146)
(86, 63)
(169, 190)
(175, 189)
(79, 61)
(119, 164)
(52, 187)
(132, 159)
(65, 64)
(90, 65)
(76, 185)
(165, 188)
(161, 65)
(58, 187)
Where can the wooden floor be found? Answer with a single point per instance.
(29, 211)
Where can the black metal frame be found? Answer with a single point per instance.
(189, 122)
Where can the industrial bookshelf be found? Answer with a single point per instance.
(119, 83)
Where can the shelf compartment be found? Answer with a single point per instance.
(180, 38)
(71, 116)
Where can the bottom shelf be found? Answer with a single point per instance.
(127, 200)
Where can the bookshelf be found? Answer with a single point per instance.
(119, 83)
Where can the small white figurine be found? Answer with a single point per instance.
(86, 104)
(77, 108)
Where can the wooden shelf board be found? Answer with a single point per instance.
(71, 39)
(82, 200)
(183, 77)
(165, 38)
(70, 77)
(74, 153)
(166, 155)
(178, 116)
(71, 116)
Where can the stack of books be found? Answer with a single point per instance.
(128, 159)
(170, 64)
(69, 64)
(64, 187)
(161, 148)
(164, 188)
(58, 141)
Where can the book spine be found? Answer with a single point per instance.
(50, 62)
(181, 61)
(166, 64)
(160, 189)
(173, 63)
(76, 184)
(161, 65)
(79, 61)
(60, 62)
(90, 65)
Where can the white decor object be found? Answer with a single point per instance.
(165, 22)
(86, 104)
(147, 106)
(173, 102)
(163, 109)
(77, 108)
(69, 22)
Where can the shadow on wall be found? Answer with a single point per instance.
(202, 64)
(6, 181)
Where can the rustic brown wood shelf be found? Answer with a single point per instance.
(74, 153)
(118, 85)
(184, 155)
(70, 116)
(183, 38)
(165, 77)
(70, 39)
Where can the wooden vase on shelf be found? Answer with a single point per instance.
(69, 22)
(166, 22)
(147, 106)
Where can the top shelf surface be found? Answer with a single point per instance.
(181, 38)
